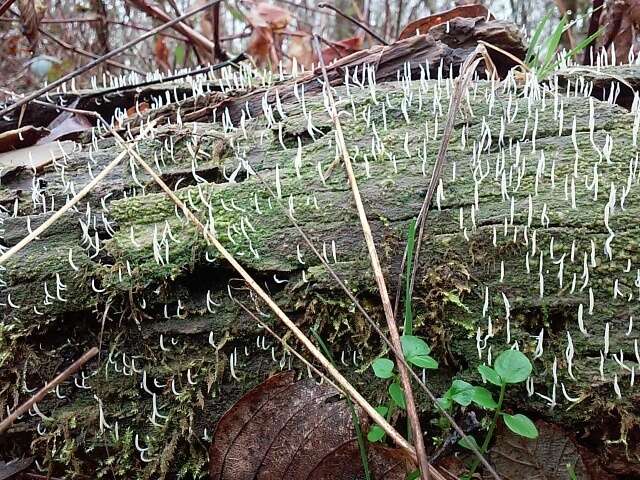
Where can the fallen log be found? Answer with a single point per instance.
(531, 244)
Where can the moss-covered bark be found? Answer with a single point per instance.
(513, 164)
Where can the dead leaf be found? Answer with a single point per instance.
(264, 14)
(300, 47)
(31, 13)
(621, 22)
(21, 137)
(423, 25)
(161, 53)
(341, 48)
(268, 22)
(262, 47)
(294, 430)
(65, 125)
(545, 458)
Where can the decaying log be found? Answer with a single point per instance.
(518, 204)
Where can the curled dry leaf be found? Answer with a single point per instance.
(545, 458)
(423, 25)
(294, 430)
(341, 48)
(66, 125)
(268, 22)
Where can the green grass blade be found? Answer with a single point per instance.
(552, 45)
(362, 446)
(584, 43)
(533, 44)
(408, 312)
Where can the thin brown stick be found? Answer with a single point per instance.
(73, 368)
(5, 6)
(193, 35)
(363, 26)
(133, 26)
(218, 52)
(594, 24)
(466, 73)
(85, 53)
(412, 411)
(103, 58)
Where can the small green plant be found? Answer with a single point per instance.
(542, 56)
(416, 352)
(510, 367)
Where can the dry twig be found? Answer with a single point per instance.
(73, 368)
(412, 411)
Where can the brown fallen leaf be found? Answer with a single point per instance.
(423, 25)
(21, 137)
(268, 22)
(545, 458)
(341, 48)
(294, 430)
(300, 47)
(65, 125)
(161, 53)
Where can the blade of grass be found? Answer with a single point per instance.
(552, 44)
(408, 313)
(533, 44)
(362, 446)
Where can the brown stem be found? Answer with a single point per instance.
(366, 28)
(412, 411)
(145, 29)
(594, 24)
(194, 36)
(218, 52)
(466, 72)
(80, 51)
(5, 6)
(73, 368)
